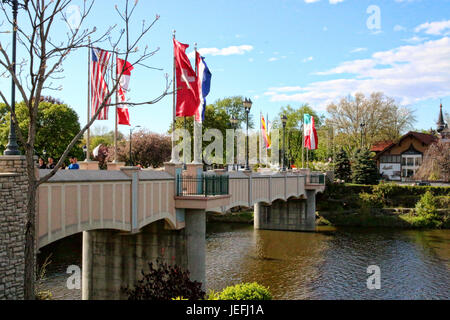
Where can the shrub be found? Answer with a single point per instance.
(164, 283)
(426, 205)
(370, 201)
(427, 211)
(244, 291)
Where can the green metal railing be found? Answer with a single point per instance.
(317, 179)
(204, 185)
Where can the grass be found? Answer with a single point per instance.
(367, 220)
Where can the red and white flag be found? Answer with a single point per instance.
(124, 68)
(188, 98)
(99, 87)
(310, 133)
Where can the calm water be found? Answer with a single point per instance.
(329, 264)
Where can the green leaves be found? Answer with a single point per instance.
(57, 125)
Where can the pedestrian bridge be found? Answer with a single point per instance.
(130, 199)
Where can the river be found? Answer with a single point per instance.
(329, 264)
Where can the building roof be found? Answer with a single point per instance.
(380, 146)
(425, 138)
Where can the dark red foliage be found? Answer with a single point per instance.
(164, 282)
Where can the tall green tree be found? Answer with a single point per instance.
(294, 131)
(382, 117)
(342, 168)
(218, 116)
(56, 125)
(364, 168)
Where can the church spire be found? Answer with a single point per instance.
(441, 123)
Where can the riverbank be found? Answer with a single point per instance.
(244, 217)
(381, 220)
(384, 205)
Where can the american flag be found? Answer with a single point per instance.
(99, 87)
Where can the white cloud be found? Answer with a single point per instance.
(415, 39)
(409, 73)
(331, 1)
(228, 51)
(358, 50)
(273, 59)
(308, 59)
(435, 28)
(399, 28)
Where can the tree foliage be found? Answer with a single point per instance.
(56, 125)
(384, 120)
(436, 163)
(164, 282)
(342, 168)
(364, 168)
(149, 149)
(294, 131)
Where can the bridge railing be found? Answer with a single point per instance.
(316, 179)
(204, 185)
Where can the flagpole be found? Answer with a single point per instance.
(88, 136)
(260, 137)
(303, 143)
(174, 105)
(267, 148)
(115, 119)
(197, 125)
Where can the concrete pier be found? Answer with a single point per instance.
(196, 244)
(293, 215)
(113, 260)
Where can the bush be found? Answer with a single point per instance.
(243, 291)
(426, 205)
(164, 283)
(427, 211)
(370, 201)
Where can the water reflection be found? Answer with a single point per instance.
(329, 264)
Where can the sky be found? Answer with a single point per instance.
(280, 52)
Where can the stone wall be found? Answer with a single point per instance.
(13, 193)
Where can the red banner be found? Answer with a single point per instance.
(188, 98)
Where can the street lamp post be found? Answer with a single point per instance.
(234, 122)
(248, 106)
(131, 163)
(284, 121)
(12, 149)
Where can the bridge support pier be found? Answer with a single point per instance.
(113, 260)
(257, 212)
(293, 215)
(196, 244)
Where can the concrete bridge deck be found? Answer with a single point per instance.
(130, 199)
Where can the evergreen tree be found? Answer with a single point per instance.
(342, 169)
(364, 168)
